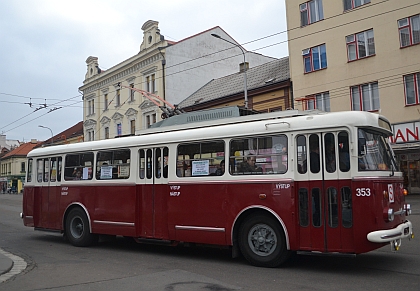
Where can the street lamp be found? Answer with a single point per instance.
(52, 136)
(242, 50)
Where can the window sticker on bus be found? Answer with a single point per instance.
(200, 168)
(123, 171)
(106, 172)
(85, 173)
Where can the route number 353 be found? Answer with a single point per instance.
(362, 191)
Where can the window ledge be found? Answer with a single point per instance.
(410, 45)
(367, 57)
(305, 73)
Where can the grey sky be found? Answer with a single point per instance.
(44, 45)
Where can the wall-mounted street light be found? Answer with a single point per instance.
(244, 72)
(52, 136)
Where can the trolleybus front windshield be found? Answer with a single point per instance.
(374, 152)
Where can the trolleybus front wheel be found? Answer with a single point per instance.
(77, 229)
(262, 241)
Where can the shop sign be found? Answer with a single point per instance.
(406, 132)
(3, 179)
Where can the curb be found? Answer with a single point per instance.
(10, 265)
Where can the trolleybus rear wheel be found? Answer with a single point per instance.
(262, 241)
(77, 229)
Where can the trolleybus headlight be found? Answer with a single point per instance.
(388, 214)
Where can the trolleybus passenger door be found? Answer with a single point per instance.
(152, 203)
(50, 178)
(337, 194)
(323, 186)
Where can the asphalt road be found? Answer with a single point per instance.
(116, 264)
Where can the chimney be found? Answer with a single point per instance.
(243, 67)
(34, 140)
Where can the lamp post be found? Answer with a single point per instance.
(52, 136)
(245, 81)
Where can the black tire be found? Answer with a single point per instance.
(262, 241)
(77, 229)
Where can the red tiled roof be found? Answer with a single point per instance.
(74, 131)
(22, 150)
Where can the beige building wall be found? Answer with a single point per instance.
(388, 66)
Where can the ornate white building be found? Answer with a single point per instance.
(171, 70)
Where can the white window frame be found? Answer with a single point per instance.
(355, 41)
(408, 26)
(365, 94)
(414, 89)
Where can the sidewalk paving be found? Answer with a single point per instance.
(6, 263)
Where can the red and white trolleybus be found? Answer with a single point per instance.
(265, 185)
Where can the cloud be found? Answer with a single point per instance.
(45, 44)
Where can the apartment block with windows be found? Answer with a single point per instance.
(360, 55)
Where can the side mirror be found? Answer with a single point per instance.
(361, 147)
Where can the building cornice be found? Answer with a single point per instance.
(116, 75)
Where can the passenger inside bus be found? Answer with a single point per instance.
(221, 170)
(249, 166)
(77, 174)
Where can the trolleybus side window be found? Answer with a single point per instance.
(161, 162)
(29, 173)
(314, 154)
(316, 207)
(332, 207)
(142, 164)
(113, 164)
(55, 169)
(258, 155)
(46, 170)
(303, 207)
(343, 148)
(346, 207)
(78, 166)
(301, 154)
(199, 159)
(149, 164)
(330, 156)
(39, 170)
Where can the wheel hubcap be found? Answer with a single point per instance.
(262, 240)
(76, 227)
